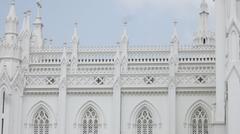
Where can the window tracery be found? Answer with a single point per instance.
(90, 121)
(41, 122)
(199, 121)
(144, 122)
(50, 80)
(148, 79)
(201, 79)
(99, 80)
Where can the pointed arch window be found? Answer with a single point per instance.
(199, 121)
(144, 122)
(90, 121)
(3, 102)
(3, 111)
(41, 122)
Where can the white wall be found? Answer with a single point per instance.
(130, 102)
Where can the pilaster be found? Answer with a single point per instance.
(220, 60)
(233, 108)
(172, 106)
(173, 67)
(62, 94)
(117, 95)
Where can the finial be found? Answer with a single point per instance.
(125, 23)
(76, 24)
(204, 6)
(65, 44)
(12, 10)
(174, 35)
(50, 43)
(12, 2)
(75, 33)
(39, 5)
(26, 21)
(25, 14)
(28, 12)
(76, 27)
(125, 33)
(175, 22)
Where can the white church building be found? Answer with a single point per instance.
(122, 89)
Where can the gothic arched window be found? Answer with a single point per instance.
(90, 121)
(144, 122)
(3, 111)
(199, 121)
(41, 122)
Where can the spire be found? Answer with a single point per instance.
(11, 24)
(173, 57)
(39, 7)
(124, 39)
(204, 6)
(174, 42)
(64, 55)
(203, 25)
(38, 26)
(175, 34)
(75, 42)
(26, 21)
(203, 37)
(75, 33)
(125, 33)
(12, 12)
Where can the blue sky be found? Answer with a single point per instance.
(100, 21)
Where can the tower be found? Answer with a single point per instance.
(10, 50)
(232, 67)
(25, 39)
(227, 66)
(38, 28)
(11, 75)
(203, 37)
(11, 25)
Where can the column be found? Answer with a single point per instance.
(117, 94)
(62, 94)
(220, 60)
(172, 107)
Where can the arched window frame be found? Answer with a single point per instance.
(29, 124)
(41, 122)
(144, 121)
(188, 117)
(199, 121)
(3, 121)
(78, 123)
(155, 116)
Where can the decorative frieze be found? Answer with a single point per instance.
(196, 80)
(42, 80)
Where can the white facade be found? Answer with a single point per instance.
(122, 90)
